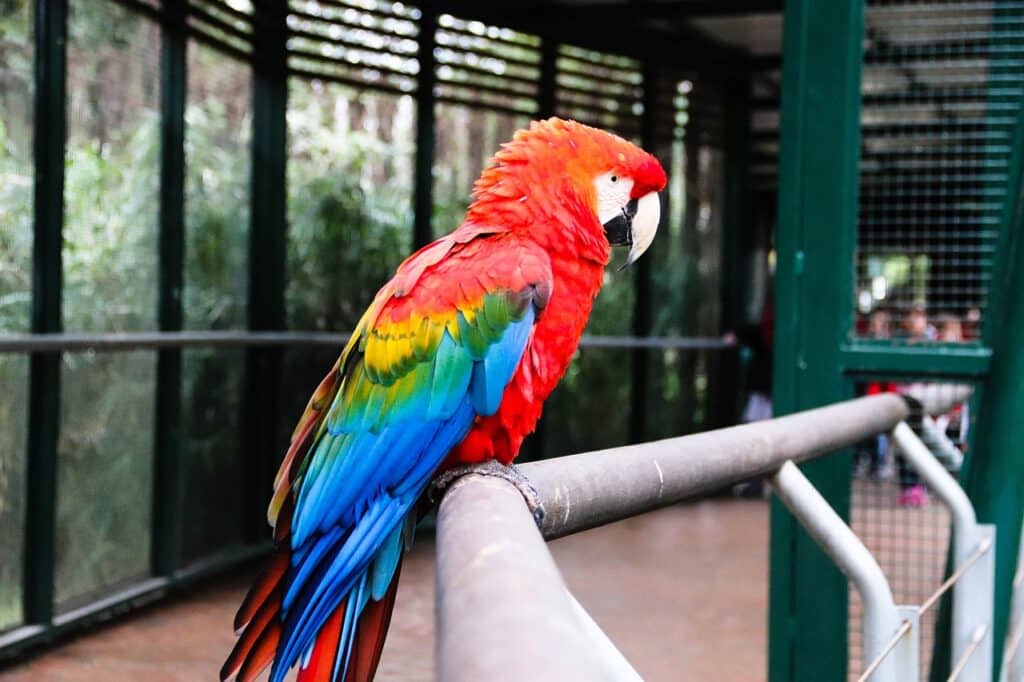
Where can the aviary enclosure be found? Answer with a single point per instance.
(198, 197)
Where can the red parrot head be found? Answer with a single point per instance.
(599, 188)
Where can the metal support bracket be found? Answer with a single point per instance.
(882, 618)
(973, 544)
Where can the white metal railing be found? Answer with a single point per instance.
(891, 631)
(487, 534)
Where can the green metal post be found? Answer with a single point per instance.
(423, 190)
(50, 132)
(993, 475)
(642, 313)
(736, 232)
(818, 182)
(689, 243)
(165, 540)
(266, 250)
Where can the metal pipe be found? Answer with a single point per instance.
(881, 618)
(587, 490)
(611, 658)
(48, 343)
(503, 611)
(973, 580)
(937, 478)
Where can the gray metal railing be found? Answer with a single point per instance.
(73, 342)
(497, 581)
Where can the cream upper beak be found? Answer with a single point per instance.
(645, 225)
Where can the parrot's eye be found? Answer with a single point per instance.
(615, 178)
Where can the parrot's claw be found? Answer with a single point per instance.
(512, 474)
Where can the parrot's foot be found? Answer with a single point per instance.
(512, 474)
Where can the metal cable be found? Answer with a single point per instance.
(976, 639)
(870, 670)
(1013, 644)
(983, 546)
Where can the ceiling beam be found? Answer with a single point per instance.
(641, 37)
(632, 10)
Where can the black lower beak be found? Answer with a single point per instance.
(619, 229)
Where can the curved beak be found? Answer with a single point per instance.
(635, 225)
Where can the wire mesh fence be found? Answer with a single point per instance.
(941, 88)
(896, 514)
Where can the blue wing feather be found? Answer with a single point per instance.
(367, 470)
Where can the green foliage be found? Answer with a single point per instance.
(15, 286)
(217, 178)
(349, 202)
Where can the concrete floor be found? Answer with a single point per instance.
(681, 591)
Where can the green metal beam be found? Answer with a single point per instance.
(49, 136)
(267, 245)
(944, 361)
(818, 183)
(423, 187)
(165, 535)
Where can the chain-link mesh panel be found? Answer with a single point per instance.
(894, 512)
(941, 88)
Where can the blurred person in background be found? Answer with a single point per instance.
(870, 460)
(916, 326)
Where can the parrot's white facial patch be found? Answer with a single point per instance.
(612, 195)
(626, 220)
(645, 225)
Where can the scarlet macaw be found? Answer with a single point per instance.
(449, 365)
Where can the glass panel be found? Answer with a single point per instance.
(304, 368)
(212, 505)
(16, 81)
(13, 425)
(350, 162)
(466, 140)
(16, 60)
(677, 398)
(104, 471)
(590, 408)
(113, 165)
(217, 137)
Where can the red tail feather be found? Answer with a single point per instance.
(258, 622)
(325, 650)
(370, 633)
(245, 645)
(264, 585)
(262, 652)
